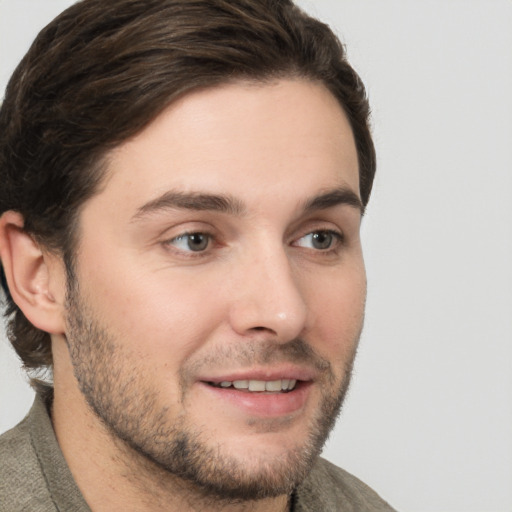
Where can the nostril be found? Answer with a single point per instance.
(259, 329)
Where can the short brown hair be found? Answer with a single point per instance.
(102, 71)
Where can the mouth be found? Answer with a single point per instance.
(258, 386)
(261, 396)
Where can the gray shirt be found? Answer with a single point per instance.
(34, 476)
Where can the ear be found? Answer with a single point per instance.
(36, 279)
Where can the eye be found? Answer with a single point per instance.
(195, 242)
(320, 240)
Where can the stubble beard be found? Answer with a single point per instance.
(135, 418)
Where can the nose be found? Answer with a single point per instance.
(267, 298)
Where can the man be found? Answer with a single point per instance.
(183, 185)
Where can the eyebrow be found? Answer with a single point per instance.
(332, 198)
(198, 201)
(192, 201)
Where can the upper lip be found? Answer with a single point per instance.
(267, 374)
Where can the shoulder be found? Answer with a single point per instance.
(17, 457)
(329, 488)
(22, 484)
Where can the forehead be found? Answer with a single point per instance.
(250, 140)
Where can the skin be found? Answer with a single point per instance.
(277, 291)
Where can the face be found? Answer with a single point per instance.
(220, 286)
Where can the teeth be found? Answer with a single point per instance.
(256, 385)
(261, 385)
(273, 385)
(241, 384)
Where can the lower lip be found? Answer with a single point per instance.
(269, 405)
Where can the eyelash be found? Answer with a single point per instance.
(189, 235)
(338, 241)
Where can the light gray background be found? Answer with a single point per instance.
(428, 422)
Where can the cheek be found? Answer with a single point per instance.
(337, 307)
(158, 313)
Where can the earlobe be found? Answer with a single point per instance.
(35, 281)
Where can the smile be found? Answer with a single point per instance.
(275, 386)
